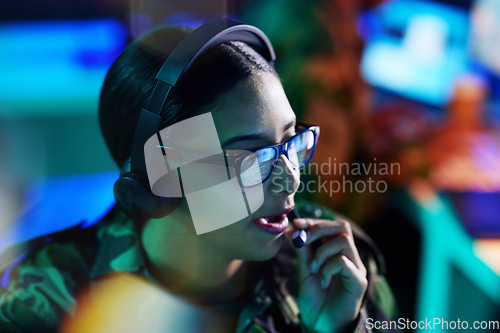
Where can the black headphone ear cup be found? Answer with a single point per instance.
(166, 206)
(134, 196)
(135, 199)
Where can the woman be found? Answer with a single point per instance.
(245, 276)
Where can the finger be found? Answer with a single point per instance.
(306, 223)
(340, 244)
(322, 228)
(304, 256)
(352, 278)
(340, 229)
(302, 223)
(303, 259)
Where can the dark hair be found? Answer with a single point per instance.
(131, 79)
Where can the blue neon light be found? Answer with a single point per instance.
(62, 202)
(415, 48)
(56, 60)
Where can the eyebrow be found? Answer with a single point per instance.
(255, 136)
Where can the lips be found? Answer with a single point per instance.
(273, 224)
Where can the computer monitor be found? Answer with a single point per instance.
(415, 49)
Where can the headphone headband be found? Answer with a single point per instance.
(205, 36)
(178, 62)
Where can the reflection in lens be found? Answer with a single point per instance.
(292, 154)
(249, 174)
(300, 149)
(249, 171)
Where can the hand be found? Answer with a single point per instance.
(332, 281)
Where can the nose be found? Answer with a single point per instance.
(284, 178)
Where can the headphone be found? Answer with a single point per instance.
(132, 190)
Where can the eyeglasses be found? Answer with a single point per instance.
(256, 165)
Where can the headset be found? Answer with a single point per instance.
(132, 190)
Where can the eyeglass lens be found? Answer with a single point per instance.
(256, 167)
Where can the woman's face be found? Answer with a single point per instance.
(254, 113)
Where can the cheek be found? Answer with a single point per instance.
(202, 176)
(245, 243)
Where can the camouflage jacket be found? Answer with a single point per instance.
(40, 287)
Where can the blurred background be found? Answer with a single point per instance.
(410, 82)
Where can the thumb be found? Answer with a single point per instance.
(304, 257)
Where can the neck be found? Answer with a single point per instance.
(186, 265)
